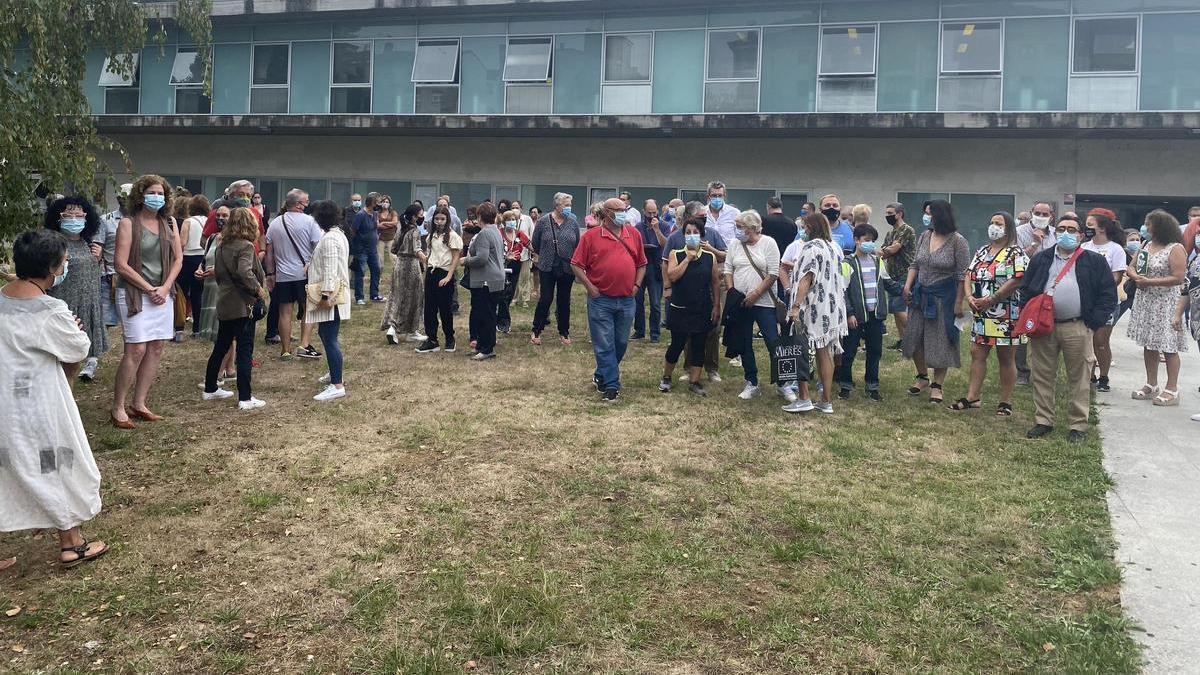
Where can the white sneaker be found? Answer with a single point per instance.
(736, 362)
(391, 335)
(330, 393)
(787, 394)
(417, 337)
(252, 404)
(1196, 417)
(825, 407)
(748, 392)
(324, 379)
(217, 395)
(89, 369)
(799, 406)
(714, 376)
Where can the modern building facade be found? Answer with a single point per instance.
(991, 103)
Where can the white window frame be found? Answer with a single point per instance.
(605, 79)
(531, 39)
(1137, 50)
(529, 85)
(757, 79)
(369, 84)
(133, 82)
(454, 75)
(187, 85)
(875, 52)
(285, 86)
(942, 48)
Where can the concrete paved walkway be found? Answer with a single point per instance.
(1153, 454)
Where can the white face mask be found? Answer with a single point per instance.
(1041, 222)
(995, 232)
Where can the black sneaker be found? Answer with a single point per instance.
(874, 395)
(1038, 431)
(596, 383)
(664, 385)
(637, 336)
(1076, 436)
(308, 353)
(1102, 384)
(273, 339)
(697, 389)
(899, 345)
(610, 396)
(428, 347)
(449, 346)
(843, 394)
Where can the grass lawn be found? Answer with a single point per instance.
(450, 516)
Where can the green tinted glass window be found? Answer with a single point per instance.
(577, 73)
(973, 213)
(317, 188)
(467, 194)
(1170, 62)
(157, 94)
(393, 66)
(231, 79)
(789, 69)
(679, 71)
(482, 66)
(908, 66)
(1036, 54)
(310, 94)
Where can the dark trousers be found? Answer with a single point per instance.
(483, 318)
(551, 287)
(438, 302)
(652, 285)
(241, 331)
(273, 317)
(369, 259)
(193, 288)
(695, 343)
(503, 318)
(328, 330)
(872, 333)
(765, 318)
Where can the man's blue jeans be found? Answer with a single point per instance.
(369, 258)
(609, 320)
(652, 285)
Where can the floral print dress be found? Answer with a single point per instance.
(405, 309)
(988, 273)
(823, 311)
(1154, 306)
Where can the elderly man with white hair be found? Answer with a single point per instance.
(553, 243)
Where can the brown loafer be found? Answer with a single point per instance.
(122, 424)
(145, 415)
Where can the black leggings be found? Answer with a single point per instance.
(695, 343)
(241, 331)
(193, 288)
(558, 289)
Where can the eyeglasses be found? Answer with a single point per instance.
(1072, 229)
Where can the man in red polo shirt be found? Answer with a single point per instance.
(610, 262)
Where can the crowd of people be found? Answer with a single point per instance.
(712, 275)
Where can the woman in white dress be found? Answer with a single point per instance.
(48, 478)
(148, 259)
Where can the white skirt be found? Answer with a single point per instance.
(154, 322)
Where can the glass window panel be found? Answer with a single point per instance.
(914, 203)
(908, 66)
(789, 67)
(600, 194)
(679, 71)
(436, 61)
(269, 100)
(399, 191)
(792, 203)
(733, 54)
(373, 30)
(973, 213)
(231, 78)
(626, 22)
(191, 101)
(661, 195)
(543, 196)
(269, 189)
(111, 79)
(527, 60)
(878, 10)
(157, 94)
(350, 100)
(510, 192)
(577, 73)
(695, 195)
(846, 94)
(730, 97)
(749, 199)
(93, 67)
(482, 90)
(746, 14)
(528, 99)
(1106, 45)
(437, 100)
(627, 99)
(122, 101)
(187, 68)
(351, 63)
(193, 185)
(340, 191)
(281, 32)
(1170, 62)
(848, 51)
(427, 194)
(1035, 64)
(556, 24)
(969, 94)
(393, 62)
(971, 9)
(317, 188)
(627, 57)
(227, 33)
(465, 27)
(971, 47)
(463, 195)
(271, 64)
(310, 94)
(1103, 94)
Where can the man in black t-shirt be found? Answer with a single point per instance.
(778, 226)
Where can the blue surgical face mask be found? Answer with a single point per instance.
(741, 235)
(867, 247)
(421, 231)
(1133, 246)
(1068, 241)
(357, 203)
(567, 211)
(691, 240)
(716, 203)
(801, 235)
(510, 225)
(927, 220)
(620, 218)
(154, 202)
(803, 212)
(73, 225)
(1145, 233)
(62, 277)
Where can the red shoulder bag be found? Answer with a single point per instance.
(1037, 318)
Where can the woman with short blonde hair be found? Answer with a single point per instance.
(860, 214)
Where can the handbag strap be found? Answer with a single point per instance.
(770, 289)
(288, 231)
(1066, 268)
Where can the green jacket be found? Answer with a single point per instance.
(856, 297)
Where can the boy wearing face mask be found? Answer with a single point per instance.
(866, 312)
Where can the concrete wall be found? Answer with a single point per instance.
(861, 170)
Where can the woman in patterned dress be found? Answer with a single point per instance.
(1159, 270)
(405, 310)
(76, 219)
(819, 304)
(934, 294)
(991, 285)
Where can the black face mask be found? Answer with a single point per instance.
(473, 229)
(221, 222)
(833, 215)
(891, 220)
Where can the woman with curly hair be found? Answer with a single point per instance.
(76, 219)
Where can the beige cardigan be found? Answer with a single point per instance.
(330, 264)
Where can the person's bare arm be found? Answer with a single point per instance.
(581, 277)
